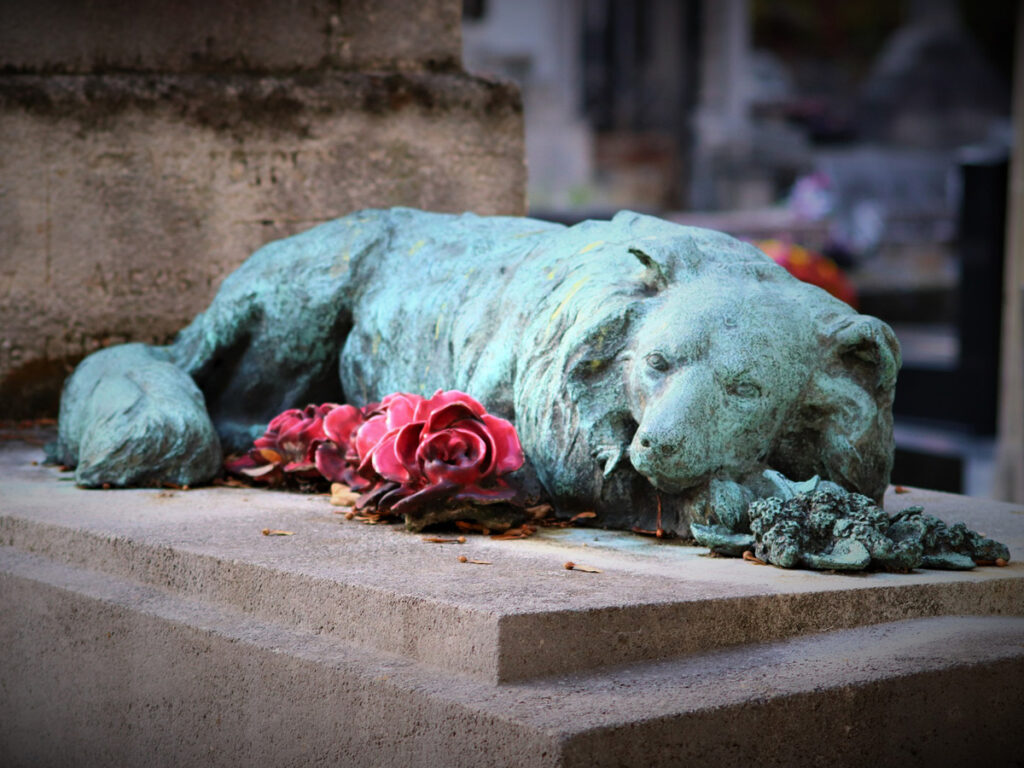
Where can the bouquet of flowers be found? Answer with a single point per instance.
(425, 458)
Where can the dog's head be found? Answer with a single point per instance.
(713, 362)
(724, 378)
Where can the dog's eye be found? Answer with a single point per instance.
(657, 361)
(744, 389)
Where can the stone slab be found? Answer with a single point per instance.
(382, 588)
(161, 627)
(227, 36)
(126, 199)
(100, 670)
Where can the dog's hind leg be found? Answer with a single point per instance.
(130, 417)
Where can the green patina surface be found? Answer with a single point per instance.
(653, 371)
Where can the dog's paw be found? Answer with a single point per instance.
(610, 456)
(134, 419)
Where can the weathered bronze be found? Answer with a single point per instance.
(641, 361)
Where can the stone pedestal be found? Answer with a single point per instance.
(161, 627)
(146, 149)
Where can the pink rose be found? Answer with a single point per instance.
(288, 446)
(447, 447)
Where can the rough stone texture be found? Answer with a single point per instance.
(125, 199)
(161, 628)
(234, 35)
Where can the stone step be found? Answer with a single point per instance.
(161, 627)
(103, 670)
(381, 588)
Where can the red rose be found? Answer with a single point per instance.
(288, 446)
(444, 447)
(337, 458)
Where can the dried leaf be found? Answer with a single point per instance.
(439, 540)
(750, 557)
(275, 532)
(370, 518)
(343, 496)
(465, 525)
(582, 516)
(539, 512)
(271, 455)
(522, 532)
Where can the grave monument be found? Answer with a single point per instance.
(656, 373)
(167, 626)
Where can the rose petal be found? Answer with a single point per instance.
(341, 424)
(331, 462)
(386, 461)
(307, 468)
(372, 496)
(312, 437)
(406, 443)
(478, 428)
(441, 398)
(239, 463)
(400, 409)
(500, 492)
(259, 471)
(456, 455)
(386, 502)
(369, 435)
(508, 451)
(431, 493)
(284, 419)
(447, 415)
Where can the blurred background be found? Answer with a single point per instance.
(865, 146)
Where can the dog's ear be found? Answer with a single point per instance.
(843, 430)
(654, 277)
(865, 348)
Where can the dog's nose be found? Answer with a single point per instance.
(659, 447)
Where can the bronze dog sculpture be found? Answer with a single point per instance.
(647, 366)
